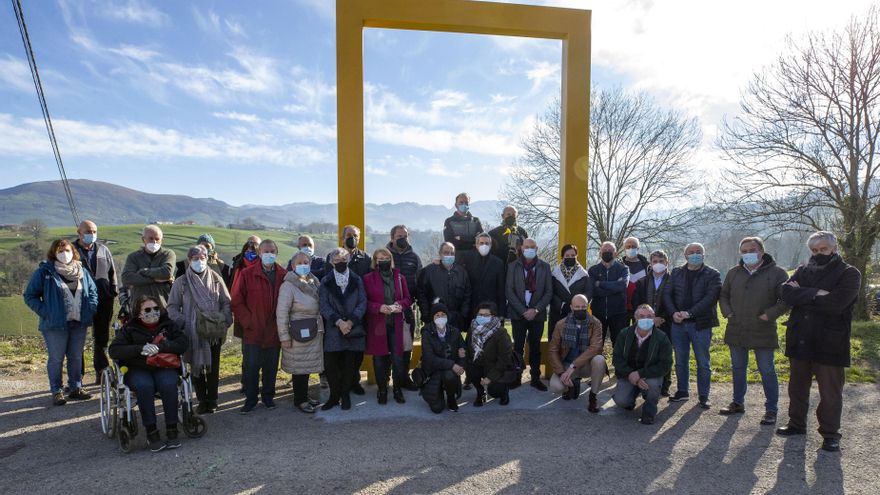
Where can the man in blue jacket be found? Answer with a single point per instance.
(610, 279)
(692, 299)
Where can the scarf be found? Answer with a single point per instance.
(569, 272)
(531, 277)
(307, 285)
(480, 334)
(341, 279)
(70, 272)
(572, 331)
(72, 298)
(388, 286)
(202, 293)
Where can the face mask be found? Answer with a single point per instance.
(198, 266)
(569, 262)
(150, 318)
(302, 270)
(268, 258)
(530, 253)
(750, 258)
(484, 249)
(384, 266)
(821, 259)
(463, 209)
(152, 247)
(510, 221)
(646, 323)
(64, 256)
(341, 266)
(658, 267)
(250, 255)
(90, 238)
(309, 251)
(350, 242)
(695, 259)
(401, 243)
(440, 322)
(580, 314)
(449, 260)
(632, 252)
(607, 256)
(482, 319)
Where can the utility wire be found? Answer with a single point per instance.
(38, 85)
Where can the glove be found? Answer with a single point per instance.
(149, 350)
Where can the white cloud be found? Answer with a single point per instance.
(374, 170)
(212, 23)
(15, 73)
(241, 117)
(134, 11)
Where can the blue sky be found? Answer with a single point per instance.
(236, 100)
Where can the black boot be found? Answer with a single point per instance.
(481, 396)
(505, 397)
(398, 395)
(382, 395)
(332, 402)
(451, 402)
(154, 440)
(171, 441)
(346, 402)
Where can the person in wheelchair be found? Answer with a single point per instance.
(132, 346)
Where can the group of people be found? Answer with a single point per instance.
(322, 315)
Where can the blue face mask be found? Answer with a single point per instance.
(309, 251)
(530, 253)
(463, 209)
(646, 323)
(268, 258)
(302, 270)
(449, 260)
(482, 319)
(90, 238)
(695, 259)
(250, 255)
(750, 258)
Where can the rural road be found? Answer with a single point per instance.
(534, 445)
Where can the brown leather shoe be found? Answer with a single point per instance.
(593, 407)
(732, 408)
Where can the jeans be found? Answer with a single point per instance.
(207, 382)
(625, 394)
(65, 342)
(685, 335)
(258, 359)
(534, 331)
(145, 383)
(739, 359)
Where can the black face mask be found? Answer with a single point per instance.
(341, 266)
(607, 256)
(822, 259)
(350, 242)
(569, 262)
(510, 221)
(384, 266)
(580, 314)
(401, 243)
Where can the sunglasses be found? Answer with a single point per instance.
(151, 309)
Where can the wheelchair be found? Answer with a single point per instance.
(118, 417)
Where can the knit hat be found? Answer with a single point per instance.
(196, 251)
(206, 237)
(438, 307)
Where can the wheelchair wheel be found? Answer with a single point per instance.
(125, 440)
(194, 426)
(109, 406)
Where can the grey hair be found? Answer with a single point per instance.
(822, 235)
(301, 254)
(482, 234)
(702, 248)
(338, 251)
(197, 250)
(151, 228)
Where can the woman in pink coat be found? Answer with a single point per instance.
(387, 297)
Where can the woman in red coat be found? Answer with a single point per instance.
(387, 297)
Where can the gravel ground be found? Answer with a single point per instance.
(534, 445)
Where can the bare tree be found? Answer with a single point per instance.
(36, 227)
(639, 170)
(805, 140)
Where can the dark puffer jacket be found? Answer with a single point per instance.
(465, 227)
(609, 289)
(130, 340)
(819, 326)
(745, 297)
(705, 291)
(452, 286)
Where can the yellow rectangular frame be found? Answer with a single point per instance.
(571, 26)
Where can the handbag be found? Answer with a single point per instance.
(407, 326)
(210, 325)
(303, 330)
(163, 359)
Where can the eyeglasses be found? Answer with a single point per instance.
(151, 309)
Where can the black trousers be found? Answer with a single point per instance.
(300, 389)
(438, 383)
(101, 334)
(533, 330)
(207, 382)
(390, 364)
(495, 389)
(340, 368)
(613, 325)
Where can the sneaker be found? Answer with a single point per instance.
(306, 407)
(705, 403)
(680, 396)
(769, 418)
(155, 441)
(246, 408)
(314, 403)
(171, 442)
(79, 394)
(538, 384)
(732, 408)
(269, 403)
(58, 399)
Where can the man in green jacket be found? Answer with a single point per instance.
(149, 270)
(642, 357)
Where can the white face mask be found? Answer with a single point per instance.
(150, 318)
(152, 247)
(484, 249)
(65, 257)
(440, 322)
(658, 267)
(198, 266)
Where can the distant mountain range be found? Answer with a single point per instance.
(110, 204)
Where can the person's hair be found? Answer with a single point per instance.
(300, 254)
(463, 195)
(58, 244)
(196, 250)
(267, 242)
(381, 250)
(608, 243)
(140, 301)
(631, 238)
(566, 248)
(355, 228)
(492, 307)
(338, 251)
(483, 234)
(248, 245)
(300, 238)
(645, 306)
(822, 235)
(757, 240)
(440, 249)
(702, 248)
(151, 228)
(396, 228)
(660, 254)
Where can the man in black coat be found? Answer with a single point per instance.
(508, 237)
(486, 273)
(822, 295)
(410, 265)
(461, 228)
(447, 282)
